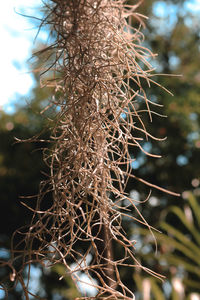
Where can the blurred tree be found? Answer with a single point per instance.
(21, 171)
(173, 32)
(20, 163)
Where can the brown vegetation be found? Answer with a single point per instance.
(98, 67)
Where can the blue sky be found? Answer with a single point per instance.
(17, 35)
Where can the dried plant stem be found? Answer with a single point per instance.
(98, 66)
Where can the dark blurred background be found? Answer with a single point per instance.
(172, 31)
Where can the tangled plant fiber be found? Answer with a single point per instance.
(98, 72)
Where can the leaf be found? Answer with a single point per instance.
(180, 214)
(195, 207)
(176, 260)
(182, 238)
(156, 291)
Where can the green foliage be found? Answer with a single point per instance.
(185, 242)
(178, 250)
